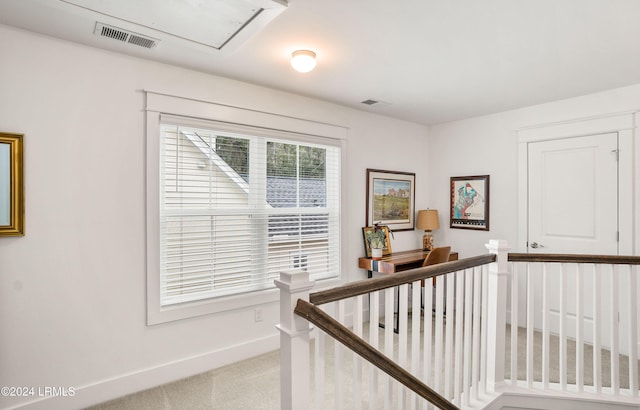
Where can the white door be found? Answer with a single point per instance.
(573, 195)
(573, 208)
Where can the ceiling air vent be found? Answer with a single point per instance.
(103, 30)
(377, 102)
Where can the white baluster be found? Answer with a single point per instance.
(448, 351)
(374, 340)
(615, 338)
(563, 327)
(388, 344)
(458, 338)
(416, 290)
(545, 326)
(477, 302)
(319, 366)
(580, 328)
(438, 341)
(338, 360)
(514, 323)
(357, 360)
(484, 330)
(428, 336)
(633, 330)
(403, 295)
(468, 317)
(597, 323)
(530, 326)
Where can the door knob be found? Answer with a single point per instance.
(536, 245)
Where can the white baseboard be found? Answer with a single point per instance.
(109, 389)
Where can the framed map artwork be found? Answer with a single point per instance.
(391, 199)
(470, 202)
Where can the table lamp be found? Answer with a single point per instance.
(428, 220)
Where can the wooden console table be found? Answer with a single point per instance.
(398, 261)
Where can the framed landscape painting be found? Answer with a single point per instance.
(470, 202)
(391, 199)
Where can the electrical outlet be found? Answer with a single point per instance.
(257, 313)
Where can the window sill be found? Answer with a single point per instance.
(209, 306)
(189, 310)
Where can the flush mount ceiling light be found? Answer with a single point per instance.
(303, 60)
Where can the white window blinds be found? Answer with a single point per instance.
(238, 206)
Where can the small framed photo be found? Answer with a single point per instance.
(370, 235)
(391, 199)
(470, 202)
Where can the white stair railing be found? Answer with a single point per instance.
(568, 305)
(558, 309)
(432, 349)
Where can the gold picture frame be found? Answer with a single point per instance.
(11, 185)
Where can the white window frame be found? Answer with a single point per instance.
(158, 104)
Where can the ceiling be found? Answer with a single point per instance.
(426, 61)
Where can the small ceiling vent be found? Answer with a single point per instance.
(103, 30)
(371, 101)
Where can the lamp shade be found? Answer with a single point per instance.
(303, 60)
(428, 219)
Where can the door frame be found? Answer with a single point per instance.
(621, 123)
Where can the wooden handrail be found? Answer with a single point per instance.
(574, 258)
(365, 286)
(359, 346)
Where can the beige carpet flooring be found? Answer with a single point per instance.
(554, 363)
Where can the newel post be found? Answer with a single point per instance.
(294, 341)
(496, 313)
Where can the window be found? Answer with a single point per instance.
(237, 206)
(230, 206)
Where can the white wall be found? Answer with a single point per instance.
(489, 145)
(72, 291)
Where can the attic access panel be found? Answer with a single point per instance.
(212, 23)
